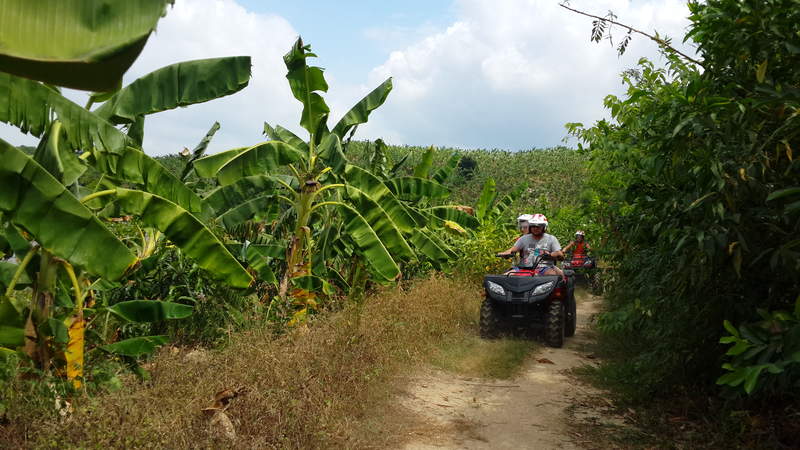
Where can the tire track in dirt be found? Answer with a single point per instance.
(536, 410)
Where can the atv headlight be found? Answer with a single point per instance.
(544, 288)
(496, 288)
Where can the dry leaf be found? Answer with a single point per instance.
(544, 361)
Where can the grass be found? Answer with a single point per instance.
(320, 386)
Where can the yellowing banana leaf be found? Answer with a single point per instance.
(282, 134)
(453, 214)
(207, 166)
(29, 105)
(415, 189)
(381, 223)
(75, 43)
(225, 198)
(150, 310)
(259, 159)
(187, 233)
(304, 82)
(35, 201)
(61, 162)
(264, 208)
(423, 169)
(359, 113)
(370, 246)
(134, 166)
(73, 354)
(137, 346)
(181, 84)
(377, 191)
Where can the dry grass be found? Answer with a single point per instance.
(317, 387)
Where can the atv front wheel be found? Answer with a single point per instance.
(490, 322)
(554, 333)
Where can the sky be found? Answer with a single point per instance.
(471, 74)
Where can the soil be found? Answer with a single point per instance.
(545, 407)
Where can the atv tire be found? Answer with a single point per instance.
(554, 330)
(572, 317)
(490, 322)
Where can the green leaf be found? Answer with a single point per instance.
(761, 71)
(430, 246)
(783, 193)
(265, 208)
(415, 189)
(485, 201)
(282, 134)
(207, 166)
(454, 214)
(304, 82)
(181, 84)
(75, 43)
(199, 151)
(150, 310)
(225, 198)
(424, 167)
(62, 163)
(377, 191)
(187, 233)
(730, 328)
(137, 346)
(381, 223)
(259, 159)
(35, 201)
(370, 246)
(58, 330)
(359, 113)
(445, 172)
(331, 154)
(7, 271)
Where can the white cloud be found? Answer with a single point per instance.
(510, 73)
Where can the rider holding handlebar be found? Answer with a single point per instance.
(535, 244)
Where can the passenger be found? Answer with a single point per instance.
(581, 251)
(537, 243)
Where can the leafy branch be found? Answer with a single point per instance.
(600, 29)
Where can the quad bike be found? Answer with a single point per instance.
(585, 270)
(521, 297)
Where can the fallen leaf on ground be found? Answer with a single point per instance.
(544, 361)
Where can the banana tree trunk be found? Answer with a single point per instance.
(298, 262)
(36, 345)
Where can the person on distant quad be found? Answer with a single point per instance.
(581, 249)
(536, 243)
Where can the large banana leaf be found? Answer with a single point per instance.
(488, 194)
(423, 169)
(282, 134)
(150, 310)
(378, 258)
(225, 198)
(377, 191)
(258, 160)
(380, 222)
(35, 201)
(82, 44)
(207, 166)
(432, 248)
(264, 208)
(181, 84)
(454, 214)
(415, 189)
(359, 113)
(331, 153)
(187, 233)
(12, 324)
(445, 172)
(304, 82)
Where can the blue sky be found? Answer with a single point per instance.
(504, 74)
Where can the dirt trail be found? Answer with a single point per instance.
(536, 410)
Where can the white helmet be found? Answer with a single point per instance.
(580, 233)
(524, 220)
(539, 219)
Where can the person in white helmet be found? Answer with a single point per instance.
(536, 243)
(581, 249)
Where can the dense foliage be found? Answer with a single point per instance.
(698, 190)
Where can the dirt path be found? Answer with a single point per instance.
(537, 410)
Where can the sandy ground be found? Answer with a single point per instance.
(543, 408)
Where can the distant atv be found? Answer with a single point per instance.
(585, 270)
(520, 297)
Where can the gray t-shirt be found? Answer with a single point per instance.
(528, 244)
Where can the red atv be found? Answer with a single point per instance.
(521, 297)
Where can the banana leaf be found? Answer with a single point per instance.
(75, 43)
(282, 134)
(423, 169)
(432, 248)
(381, 223)
(265, 208)
(7, 271)
(135, 347)
(187, 233)
(359, 113)
(377, 191)
(181, 84)
(444, 173)
(150, 310)
(415, 189)
(207, 166)
(12, 324)
(258, 160)
(304, 82)
(62, 163)
(331, 154)
(485, 201)
(370, 246)
(199, 151)
(35, 201)
(225, 198)
(453, 214)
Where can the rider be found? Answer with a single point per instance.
(535, 243)
(581, 251)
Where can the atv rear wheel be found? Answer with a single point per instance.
(554, 332)
(490, 322)
(572, 317)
